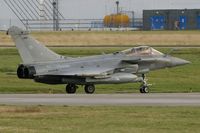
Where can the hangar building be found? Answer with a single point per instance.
(185, 19)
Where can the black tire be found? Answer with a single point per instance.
(89, 89)
(144, 89)
(71, 88)
(141, 90)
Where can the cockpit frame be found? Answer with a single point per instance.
(142, 51)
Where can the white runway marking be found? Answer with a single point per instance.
(157, 99)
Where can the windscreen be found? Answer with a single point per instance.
(142, 51)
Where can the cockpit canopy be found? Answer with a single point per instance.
(142, 51)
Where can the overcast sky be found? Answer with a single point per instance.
(95, 9)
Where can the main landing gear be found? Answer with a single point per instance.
(89, 89)
(144, 88)
(71, 88)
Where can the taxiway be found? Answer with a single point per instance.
(152, 99)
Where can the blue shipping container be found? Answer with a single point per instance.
(182, 22)
(198, 22)
(157, 22)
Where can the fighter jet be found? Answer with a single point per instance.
(128, 66)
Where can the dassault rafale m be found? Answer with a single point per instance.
(128, 66)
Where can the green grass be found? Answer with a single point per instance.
(102, 119)
(180, 79)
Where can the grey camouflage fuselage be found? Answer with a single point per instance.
(45, 66)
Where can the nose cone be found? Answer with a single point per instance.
(178, 62)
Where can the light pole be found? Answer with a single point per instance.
(55, 15)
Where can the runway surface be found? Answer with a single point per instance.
(160, 99)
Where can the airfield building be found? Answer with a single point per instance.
(186, 19)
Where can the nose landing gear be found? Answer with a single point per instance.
(144, 88)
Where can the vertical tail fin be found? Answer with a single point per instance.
(29, 49)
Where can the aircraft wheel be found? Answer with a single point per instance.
(144, 89)
(89, 89)
(141, 90)
(71, 88)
